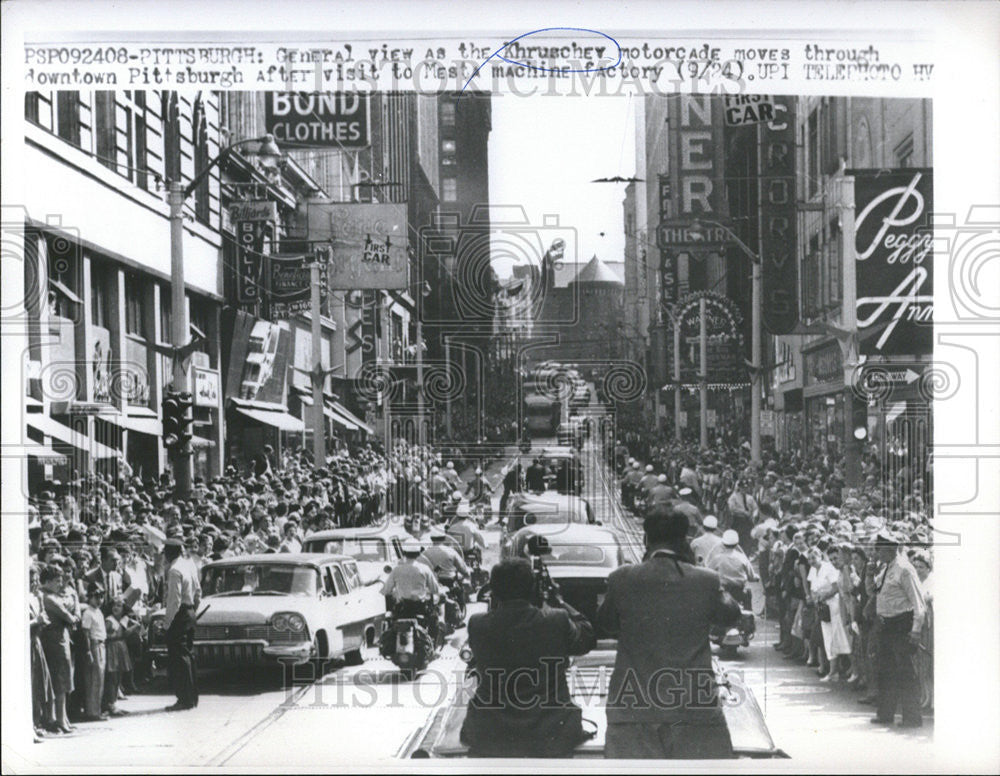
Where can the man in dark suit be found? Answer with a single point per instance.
(108, 576)
(662, 701)
(522, 706)
(535, 476)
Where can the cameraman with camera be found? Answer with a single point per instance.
(521, 650)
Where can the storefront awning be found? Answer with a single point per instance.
(145, 423)
(275, 418)
(351, 418)
(339, 419)
(44, 453)
(68, 436)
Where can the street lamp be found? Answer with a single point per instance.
(177, 193)
(755, 355)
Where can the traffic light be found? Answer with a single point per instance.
(177, 421)
(859, 419)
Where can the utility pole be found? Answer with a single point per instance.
(849, 343)
(703, 387)
(422, 429)
(318, 375)
(677, 376)
(182, 462)
(755, 366)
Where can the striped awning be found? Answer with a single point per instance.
(67, 436)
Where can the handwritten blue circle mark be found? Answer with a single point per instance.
(507, 45)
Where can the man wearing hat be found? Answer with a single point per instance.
(703, 545)
(412, 588)
(661, 698)
(630, 482)
(646, 483)
(733, 567)
(182, 594)
(899, 609)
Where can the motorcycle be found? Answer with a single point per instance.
(481, 512)
(408, 641)
(740, 633)
(474, 560)
(454, 602)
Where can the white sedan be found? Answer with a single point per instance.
(282, 608)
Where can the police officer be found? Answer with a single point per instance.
(630, 483)
(733, 567)
(182, 594)
(412, 588)
(703, 545)
(660, 495)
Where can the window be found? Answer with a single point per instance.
(68, 113)
(199, 320)
(449, 189)
(171, 137)
(166, 319)
(353, 576)
(447, 146)
(338, 578)
(447, 113)
(101, 277)
(141, 161)
(199, 125)
(134, 305)
(904, 152)
(104, 127)
(38, 109)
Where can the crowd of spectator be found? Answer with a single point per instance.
(96, 567)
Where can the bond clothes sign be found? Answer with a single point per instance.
(369, 243)
(341, 120)
(206, 387)
(779, 276)
(894, 242)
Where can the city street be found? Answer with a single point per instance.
(367, 713)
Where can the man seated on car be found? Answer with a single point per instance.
(522, 705)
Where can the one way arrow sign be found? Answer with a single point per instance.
(902, 375)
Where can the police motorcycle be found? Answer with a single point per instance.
(740, 633)
(474, 560)
(414, 633)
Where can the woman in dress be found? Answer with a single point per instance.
(42, 695)
(118, 626)
(56, 640)
(825, 589)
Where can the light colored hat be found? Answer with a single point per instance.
(412, 547)
(451, 464)
(456, 496)
(661, 478)
(710, 522)
(649, 467)
(635, 464)
(730, 538)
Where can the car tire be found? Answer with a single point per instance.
(367, 651)
(322, 656)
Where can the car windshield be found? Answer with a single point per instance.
(260, 579)
(365, 548)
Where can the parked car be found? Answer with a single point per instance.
(281, 608)
(376, 550)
